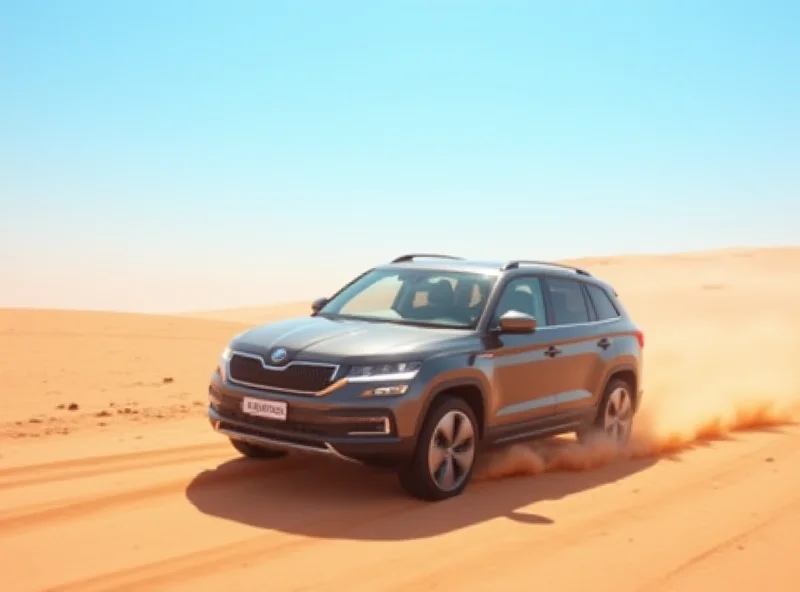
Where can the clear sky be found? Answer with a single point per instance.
(184, 154)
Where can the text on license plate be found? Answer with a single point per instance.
(262, 408)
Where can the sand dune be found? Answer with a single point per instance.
(254, 315)
(131, 491)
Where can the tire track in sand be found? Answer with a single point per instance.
(13, 477)
(725, 544)
(160, 574)
(47, 513)
(157, 575)
(738, 467)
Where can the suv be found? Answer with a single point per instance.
(420, 364)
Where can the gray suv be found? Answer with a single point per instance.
(420, 364)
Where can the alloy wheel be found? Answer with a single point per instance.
(618, 415)
(452, 450)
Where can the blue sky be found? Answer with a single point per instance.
(180, 155)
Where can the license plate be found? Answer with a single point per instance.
(262, 408)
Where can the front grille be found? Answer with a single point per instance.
(296, 377)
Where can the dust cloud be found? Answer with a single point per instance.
(701, 383)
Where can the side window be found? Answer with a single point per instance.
(602, 303)
(569, 305)
(523, 294)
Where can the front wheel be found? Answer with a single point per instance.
(254, 451)
(444, 459)
(614, 419)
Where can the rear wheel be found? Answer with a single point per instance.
(444, 459)
(614, 418)
(254, 451)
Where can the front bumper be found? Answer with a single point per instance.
(357, 433)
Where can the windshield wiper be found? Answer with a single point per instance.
(431, 325)
(405, 322)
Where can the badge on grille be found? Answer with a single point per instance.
(279, 356)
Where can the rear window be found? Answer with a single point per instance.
(602, 303)
(569, 305)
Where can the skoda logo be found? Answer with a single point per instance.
(279, 356)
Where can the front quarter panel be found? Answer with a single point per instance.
(436, 375)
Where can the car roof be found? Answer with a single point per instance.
(492, 267)
(466, 265)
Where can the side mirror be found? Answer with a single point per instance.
(317, 305)
(514, 321)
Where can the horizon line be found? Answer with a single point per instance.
(188, 313)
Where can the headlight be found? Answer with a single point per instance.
(393, 371)
(222, 364)
(226, 354)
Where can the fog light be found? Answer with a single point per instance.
(386, 391)
(372, 426)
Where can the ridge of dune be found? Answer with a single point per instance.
(622, 270)
(252, 314)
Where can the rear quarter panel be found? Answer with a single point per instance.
(625, 354)
(594, 365)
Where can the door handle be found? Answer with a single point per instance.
(604, 343)
(552, 351)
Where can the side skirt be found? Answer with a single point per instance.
(558, 423)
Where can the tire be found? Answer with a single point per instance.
(254, 451)
(417, 477)
(614, 419)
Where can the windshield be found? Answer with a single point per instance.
(414, 296)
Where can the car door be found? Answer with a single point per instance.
(521, 369)
(572, 333)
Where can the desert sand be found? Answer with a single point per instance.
(111, 479)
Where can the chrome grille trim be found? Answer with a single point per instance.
(334, 373)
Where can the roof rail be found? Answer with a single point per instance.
(412, 256)
(518, 262)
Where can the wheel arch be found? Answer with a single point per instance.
(628, 373)
(470, 389)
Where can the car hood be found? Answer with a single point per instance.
(343, 341)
